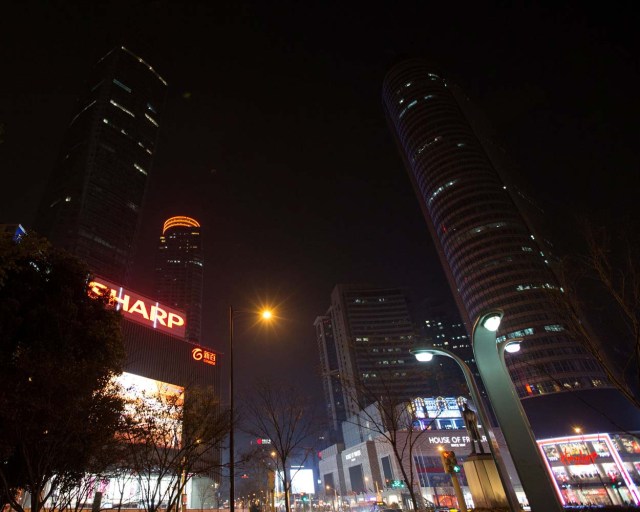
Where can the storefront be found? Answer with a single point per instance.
(594, 469)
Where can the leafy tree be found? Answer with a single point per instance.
(169, 438)
(59, 351)
(281, 413)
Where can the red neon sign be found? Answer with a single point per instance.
(580, 459)
(204, 355)
(140, 309)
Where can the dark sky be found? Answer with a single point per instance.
(274, 138)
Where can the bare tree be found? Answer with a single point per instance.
(171, 437)
(387, 416)
(609, 272)
(281, 413)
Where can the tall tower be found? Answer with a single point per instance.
(91, 205)
(490, 256)
(331, 383)
(364, 342)
(179, 270)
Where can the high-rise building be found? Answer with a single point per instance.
(179, 270)
(364, 341)
(91, 205)
(491, 258)
(332, 385)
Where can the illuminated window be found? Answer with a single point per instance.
(117, 105)
(140, 169)
(121, 85)
(83, 110)
(151, 119)
(441, 189)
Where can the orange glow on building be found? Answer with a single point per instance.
(180, 221)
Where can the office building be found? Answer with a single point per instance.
(179, 270)
(160, 362)
(491, 258)
(91, 205)
(364, 341)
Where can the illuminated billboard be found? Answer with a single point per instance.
(162, 402)
(438, 407)
(140, 309)
(301, 481)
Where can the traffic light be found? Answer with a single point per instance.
(449, 462)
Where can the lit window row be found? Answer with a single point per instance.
(522, 287)
(427, 144)
(117, 105)
(121, 85)
(145, 148)
(85, 108)
(121, 130)
(441, 189)
(151, 120)
(140, 169)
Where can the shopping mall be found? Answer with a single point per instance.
(588, 467)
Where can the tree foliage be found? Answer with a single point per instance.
(59, 351)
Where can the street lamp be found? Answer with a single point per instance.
(265, 314)
(489, 356)
(426, 355)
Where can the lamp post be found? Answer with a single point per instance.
(266, 315)
(426, 355)
(489, 356)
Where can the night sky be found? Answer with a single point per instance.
(273, 135)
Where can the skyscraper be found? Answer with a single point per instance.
(91, 205)
(179, 270)
(364, 342)
(491, 258)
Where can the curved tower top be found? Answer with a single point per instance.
(491, 258)
(180, 270)
(180, 221)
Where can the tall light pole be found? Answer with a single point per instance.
(266, 314)
(489, 356)
(426, 355)
(232, 474)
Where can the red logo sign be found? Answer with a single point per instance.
(206, 356)
(579, 459)
(140, 309)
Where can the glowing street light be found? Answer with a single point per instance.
(265, 314)
(527, 459)
(426, 355)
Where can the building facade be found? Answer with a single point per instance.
(491, 258)
(91, 205)
(365, 340)
(180, 270)
(363, 472)
(161, 362)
